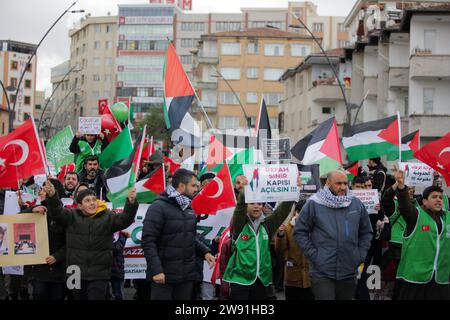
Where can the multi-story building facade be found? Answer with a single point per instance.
(39, 103)
(93, 54)
(236, 69)
(14, 56)
(312, 94)
(401, 62)
(143, 38)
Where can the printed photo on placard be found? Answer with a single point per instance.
(4, 239)
(24, 238)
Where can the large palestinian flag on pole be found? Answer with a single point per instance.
(371, 139)
(321, 146)
(151, 186)
(178, 96)
(410, 144)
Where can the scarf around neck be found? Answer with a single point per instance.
(327, 198)
(183, 201)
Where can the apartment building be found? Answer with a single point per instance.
(401, 62)
(234, 70)
(312, 94)
(93, 55)
(14, 56)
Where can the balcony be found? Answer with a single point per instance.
(370, 86)
(429, 66)
(430, 125)
(326, 93)
(208, 60)
(398, 78)
(207, 85)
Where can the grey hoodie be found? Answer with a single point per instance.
(335, 241)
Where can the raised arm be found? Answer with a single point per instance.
(74, 147)
(56, 211)
(123, 220)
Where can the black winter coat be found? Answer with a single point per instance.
(170, 241)
(89, 240)
(118, 267)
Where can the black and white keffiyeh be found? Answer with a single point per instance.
(183, 201)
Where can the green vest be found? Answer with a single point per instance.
(445, 204)
(86, 151)
(250, 259)
(425, 253)
(398, 225)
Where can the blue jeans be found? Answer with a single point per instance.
(48, 290)
(117, 288)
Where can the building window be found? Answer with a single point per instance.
(300, 50)
(228, 123)
(109, 44)
(142, 92)
(108, 29)
(252, 47)
(232, 49)
(199, 26)
(13, 82)
(317, 27)
(82, 79)
(252, 97)
(271, 74)
(28, 84)
(428, 100)
(327, 110)
(228, 26)
(98, 28)
(272, 98)
(27, 100)
(96, 77)
(343, 43)
(186, 26)
(108, 78)
(97, 61)
(273, 123)
(14, 65)
(186, 59)
(231, 73)
(252, 73)
(281, 122)
(429, 40)
(108, 61)
(189, 43)
(97, 45)
(341, 27)
(30, 67)
(229, 98)
(274, 50)
(12, 98)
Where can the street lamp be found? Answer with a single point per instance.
(10, 88)
(11, 120)
(219, 75)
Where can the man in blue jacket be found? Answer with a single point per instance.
(334, 232)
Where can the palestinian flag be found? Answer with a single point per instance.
(121, 176)
(262, 128)
(321, 146)
(371, 139)
(117, 150)
(235, 163)
(178, 96)
(352, 170)
(217, 153)
(410, 144)
(173, 166)
(151, 186)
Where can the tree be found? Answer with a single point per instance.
(156, 126)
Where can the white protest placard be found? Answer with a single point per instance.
(90, 125)
(135, 263)
(417, 174)
(12, 201)
(369, 197)
(271, 183)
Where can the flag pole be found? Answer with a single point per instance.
(141, 146)
(46, 168)
(399, 137)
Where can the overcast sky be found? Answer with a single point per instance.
(28, 20)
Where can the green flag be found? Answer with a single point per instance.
(117, 150)
(57, 149)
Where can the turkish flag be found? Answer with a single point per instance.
(20, 155)
(64, 169)
(218, 194)
(102, 105)
(110, 127)
(436, 154)
(173, 166)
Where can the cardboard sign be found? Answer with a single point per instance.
(417, 174)
(369, 198)
(90, 125)
(277, 149)
(271, 183)
(12, 201)
(310, 178)
(23, 239)
(14, 270)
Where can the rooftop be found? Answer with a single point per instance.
(258, 32)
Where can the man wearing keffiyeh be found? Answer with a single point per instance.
(170, 241)
(334, 232)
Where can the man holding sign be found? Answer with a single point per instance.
(249, 269)
(87, 145)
